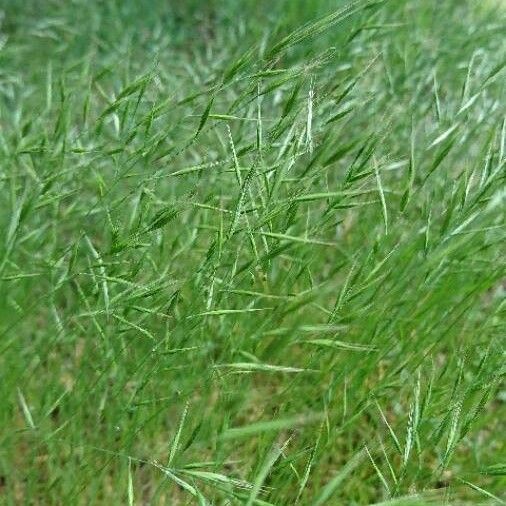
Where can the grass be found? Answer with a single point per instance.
(252, 253)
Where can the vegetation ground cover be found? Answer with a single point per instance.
(252, 252)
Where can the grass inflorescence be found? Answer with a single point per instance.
(252, 253)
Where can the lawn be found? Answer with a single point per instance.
(252, 252)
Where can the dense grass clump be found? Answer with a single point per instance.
(252, 252)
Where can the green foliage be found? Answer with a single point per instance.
(252, 252)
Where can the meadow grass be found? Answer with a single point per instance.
(252, 252)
